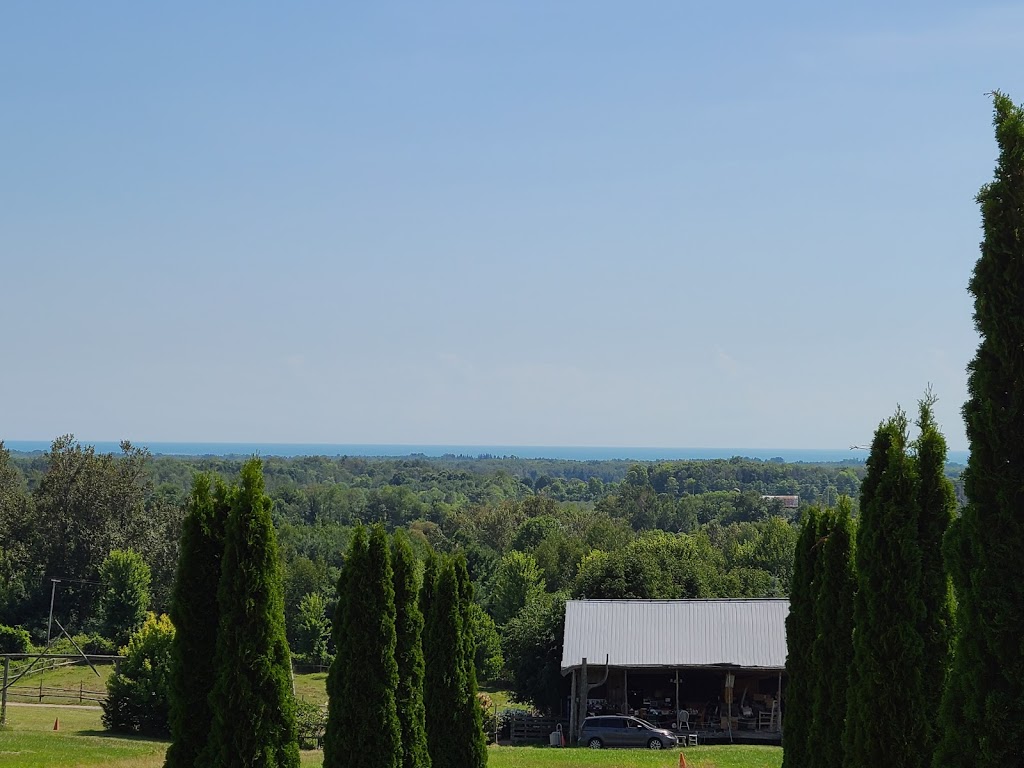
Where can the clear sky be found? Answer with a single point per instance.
(543, 223)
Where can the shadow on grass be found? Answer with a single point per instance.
(104, 734)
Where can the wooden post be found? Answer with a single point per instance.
(677, 700)
(778, 704)
(625, 689)
(3, 695)
(583, 692)
(40, 689)
(574, 709)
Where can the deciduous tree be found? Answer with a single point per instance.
(124, 595)
(137, 695)
(516, 578)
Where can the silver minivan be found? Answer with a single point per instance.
(624, 731)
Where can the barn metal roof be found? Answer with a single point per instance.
(676, 633)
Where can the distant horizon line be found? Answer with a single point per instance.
(439, 450)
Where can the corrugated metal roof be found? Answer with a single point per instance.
(676, 633)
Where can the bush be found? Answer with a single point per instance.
(137, 695)
(311, 720)
(489, 719)
(96, 644)
(14, 640)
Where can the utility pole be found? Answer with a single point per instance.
(53, 592)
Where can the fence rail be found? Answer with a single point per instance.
(41, 692)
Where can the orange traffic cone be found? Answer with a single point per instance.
(56, 724)
(682, 761)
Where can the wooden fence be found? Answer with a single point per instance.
(530, 729)
(81, 694)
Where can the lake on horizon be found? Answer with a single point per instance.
(571, 453)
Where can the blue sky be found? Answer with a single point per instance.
(552, 223)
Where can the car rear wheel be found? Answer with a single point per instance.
(595, 743)
(655, 744)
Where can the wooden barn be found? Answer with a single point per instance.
(713, 670)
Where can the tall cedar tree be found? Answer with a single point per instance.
(800, 629)
(833, 644)
(445, 683)
(365, 672)
(430, 566)
(253, 707)
(888, 707)
(963, 699)
(195, 616)
(986, 694)
(409, 657)
(936, 501)
(335, 739)
(474, 741)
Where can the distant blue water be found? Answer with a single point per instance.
(574, 453)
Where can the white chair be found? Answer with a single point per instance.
(682, 720)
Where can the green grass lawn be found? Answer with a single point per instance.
(312, 687)
(500, 696)
(546, 757)
(696, 757)
(29, 741)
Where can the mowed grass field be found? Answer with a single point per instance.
(696, 757)
(29, 741)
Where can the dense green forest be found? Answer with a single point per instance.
(534, 532)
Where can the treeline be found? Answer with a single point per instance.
(478, 480)
(649, 530)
